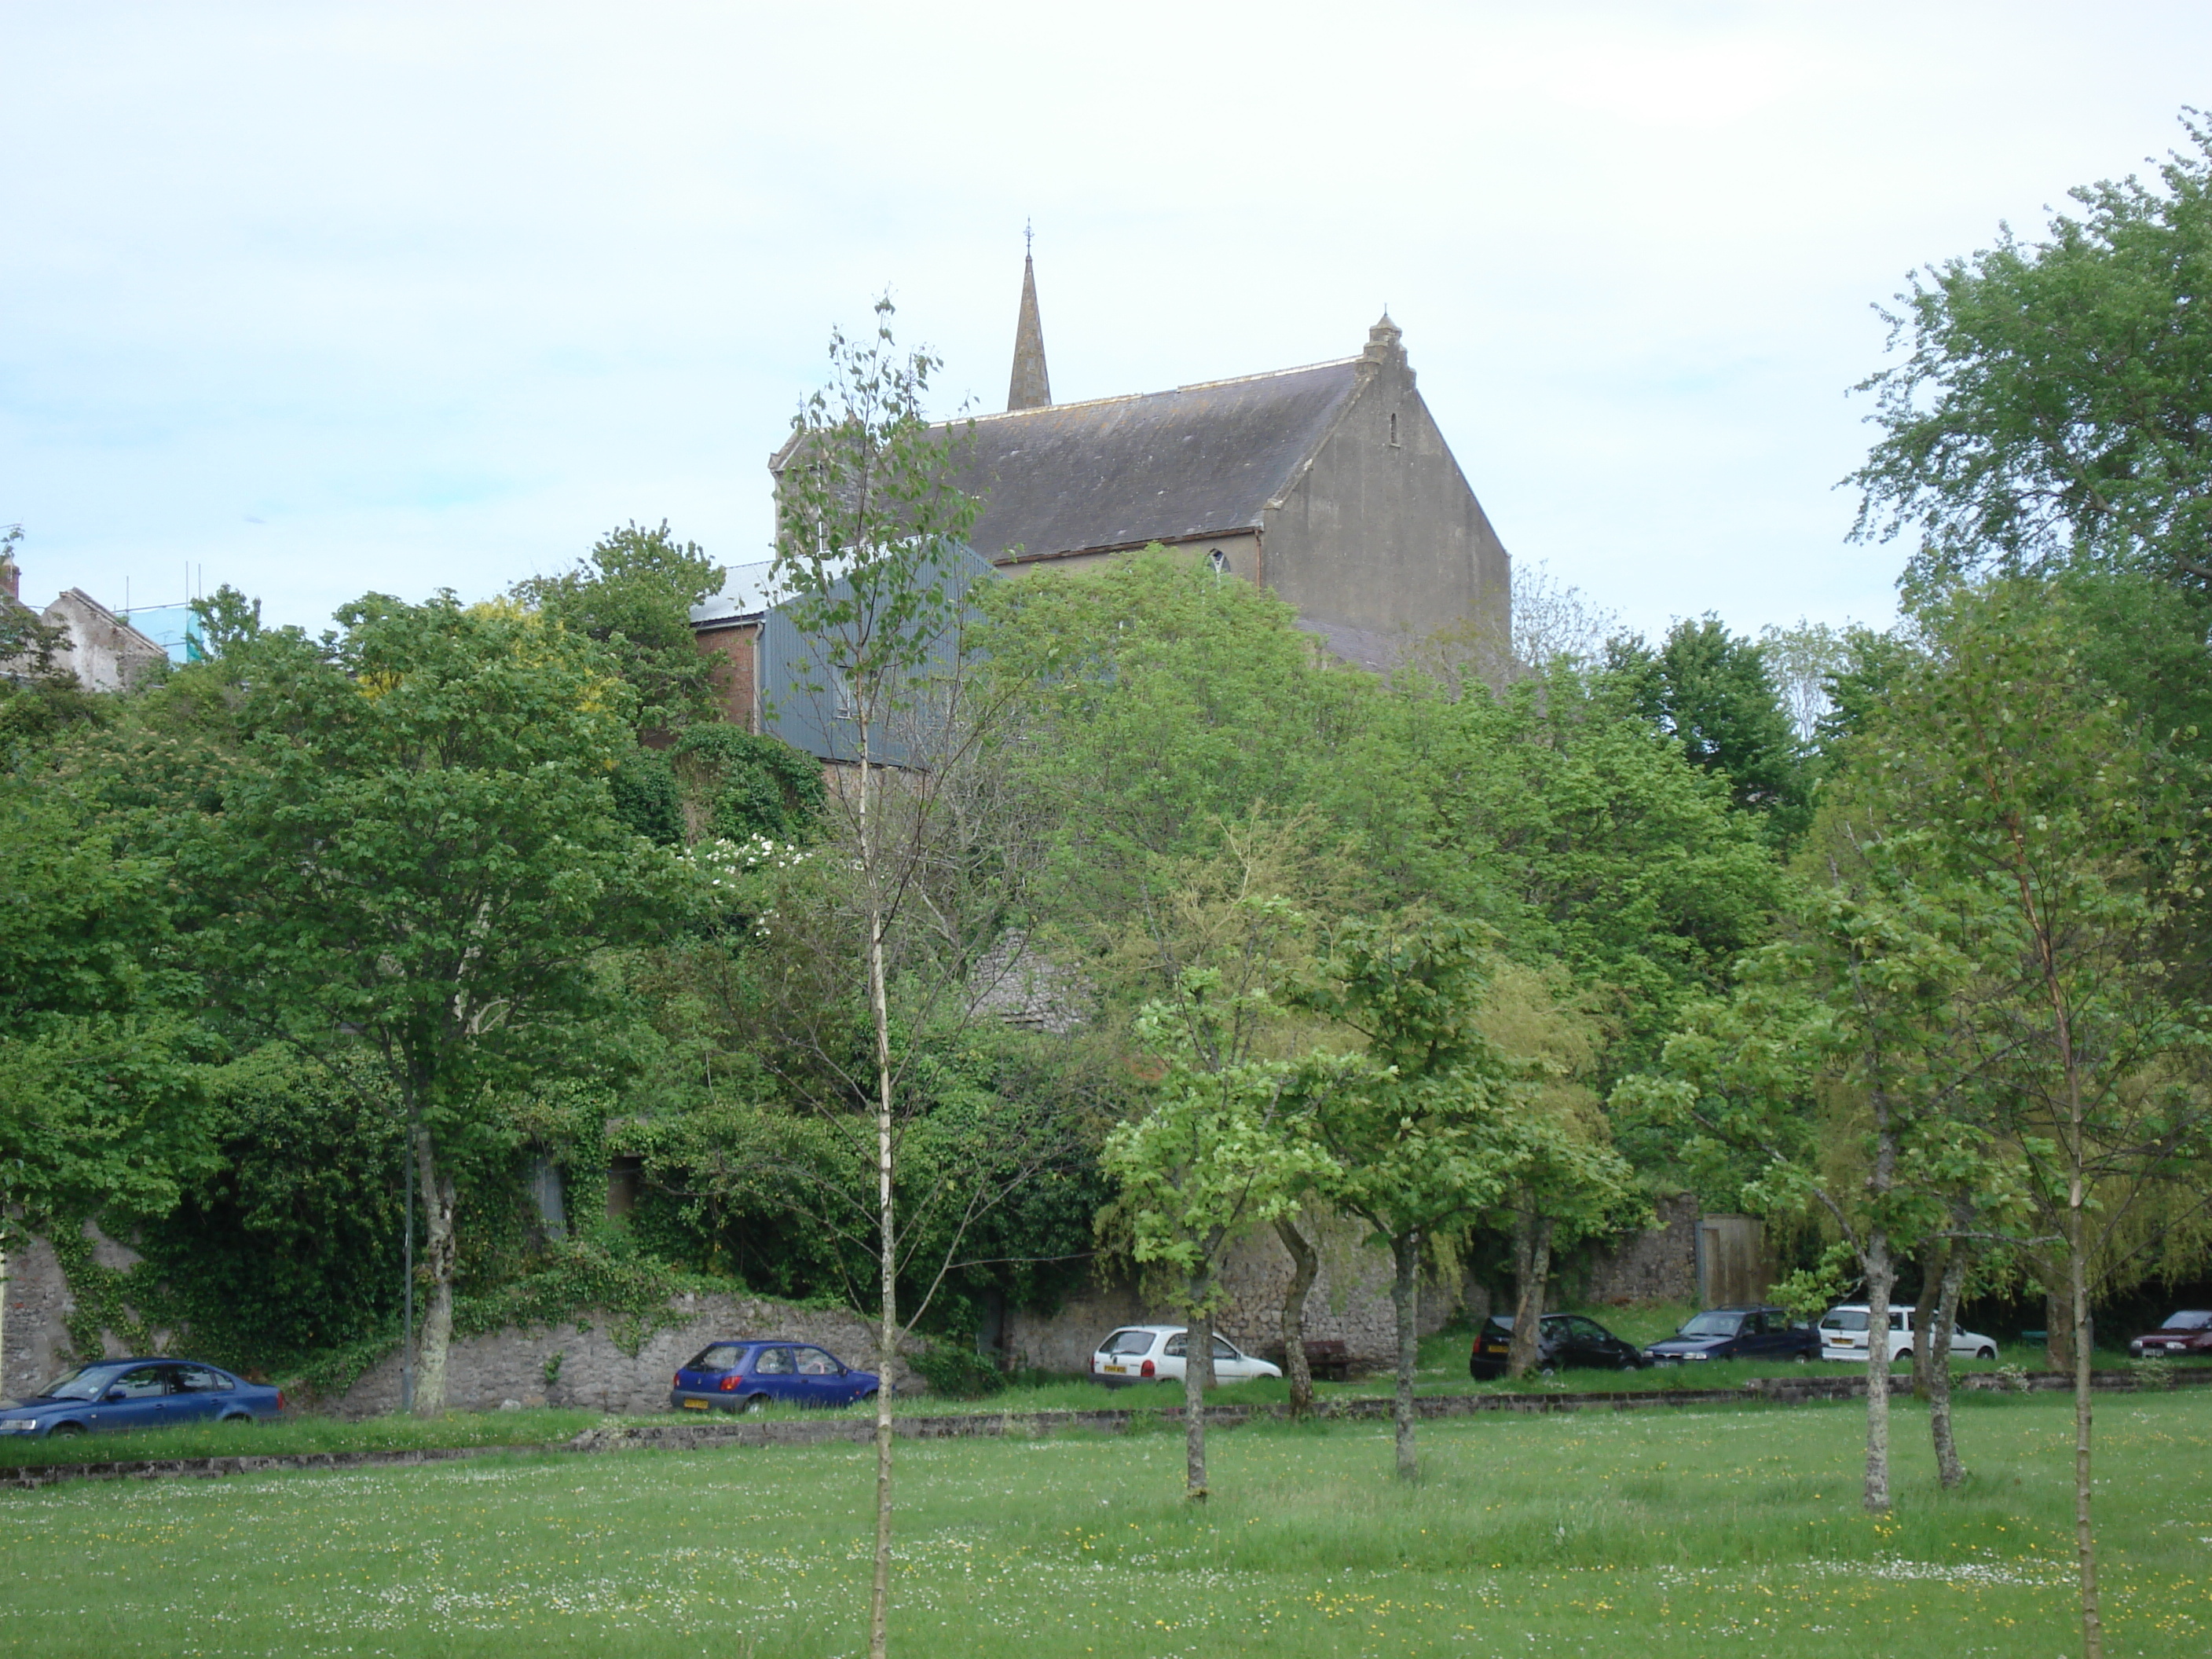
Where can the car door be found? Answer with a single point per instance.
(821, 1378)
(137, 1400)
(1232, 1364)
(1588, 1344)
(775, 1374)
(1754, 1337)
(1609, 1349)
(195, 1394)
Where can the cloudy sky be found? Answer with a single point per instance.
(321, 298)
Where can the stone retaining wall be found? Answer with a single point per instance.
(595, 1371)
(1350, 1303)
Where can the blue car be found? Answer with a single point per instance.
(745, 1374)
(110, 1395)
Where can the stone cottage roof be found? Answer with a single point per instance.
(1158, 467)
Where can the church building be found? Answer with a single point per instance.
(1330, 484)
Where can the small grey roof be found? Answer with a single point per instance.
(1159, 467)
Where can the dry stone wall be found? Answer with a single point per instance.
(1350, 1303)
(1657, 1264)
(585, 1362)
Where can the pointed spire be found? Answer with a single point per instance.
(1030, 387)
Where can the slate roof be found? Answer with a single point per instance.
(1159, 467)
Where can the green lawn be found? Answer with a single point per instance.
(1691, 1532)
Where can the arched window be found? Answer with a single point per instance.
(1218, 559)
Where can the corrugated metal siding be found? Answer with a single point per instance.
(802, 701)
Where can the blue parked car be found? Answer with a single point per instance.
(110, 1395)
(746, 1373)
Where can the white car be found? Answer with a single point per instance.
(1154, 1353)
(1844, 1336)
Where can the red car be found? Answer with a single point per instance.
(2188, 1333)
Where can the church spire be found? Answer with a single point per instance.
(1030, 388)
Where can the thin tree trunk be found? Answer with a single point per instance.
(2058, 1332)
(1881, 1274)
(1944, 1318)
(2085, 1535)
(438, 1256)
(1935, 1260)
(887, 1234)
(1405, 1297)
(1305, 1268)
(1197, 1376)
(1532, 1274)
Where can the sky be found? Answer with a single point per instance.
(320, 299)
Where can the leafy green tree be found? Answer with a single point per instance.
(416, 854)
(1837, 1069)
(2054, 407)
(1211, 1158)
(633, 594)
(103, 1061)
(1712, 692)
(1570, 1185)
(1424, 1124)
(2068, 843)
(1587, 844)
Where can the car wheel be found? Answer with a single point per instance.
(1627, 1363)
(755, 1402)
(867, 1399)
(1986, 1354)
(238, 1417)
(1547, 1370)
(65, 1429)
(1802, 1357)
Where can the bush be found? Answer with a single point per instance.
(957, 1371)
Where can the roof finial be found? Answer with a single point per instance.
(1029, 387)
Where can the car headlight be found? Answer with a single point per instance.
(1697, 1356)
(19, 1425)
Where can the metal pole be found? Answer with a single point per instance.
(407, 1282)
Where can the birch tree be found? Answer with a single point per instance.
(869, 530)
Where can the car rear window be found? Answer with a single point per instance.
(1844, 1319)
(1128, 1342)
(718, 1357)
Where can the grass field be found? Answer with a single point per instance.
(1693, 1532)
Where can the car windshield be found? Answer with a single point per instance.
(1844, 1319)
(85, 1383)
(2189, 1321)
(1128, 1342)
(1713, 1324)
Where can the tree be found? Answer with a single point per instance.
(1841, 1068)
(1210, 1158)
(1570, 1184)
(2068, 842)
(103, 1063)
(870, 532)
(2054, 407)
(1712, 692)
(632, 594)
(416, 854)
(1422, 1124)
